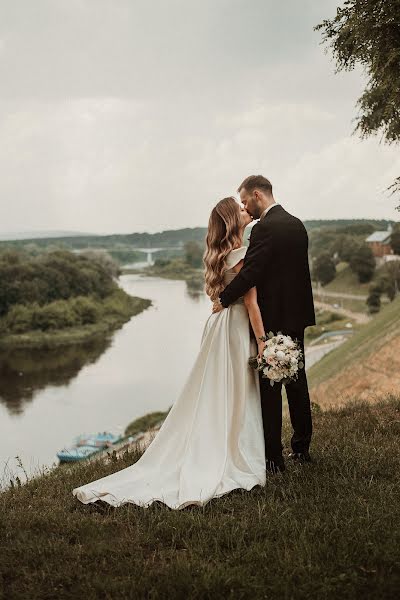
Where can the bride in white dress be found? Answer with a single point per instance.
(212, 439)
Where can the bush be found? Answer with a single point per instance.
(161, 262)
(345, 246)
(374, 298)
(324, 269)
(53, 276)
(106, 259)
(194, 254)
(363, 263)
(395, 240)
(115, 305)
(55, 315)
(19, 318)
(86, 310)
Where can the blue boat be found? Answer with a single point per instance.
(87, 445)
(99, 440)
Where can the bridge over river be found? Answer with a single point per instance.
(151, 251)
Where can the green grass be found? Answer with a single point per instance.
(146, 422)
(117, 309)
(355, 306)
(346, 281)
(368, 338)
(327, 530)
(326, 321)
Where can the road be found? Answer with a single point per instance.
(363, 297)
(322, 292)
(315, 353)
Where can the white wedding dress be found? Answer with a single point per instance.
(212, 439)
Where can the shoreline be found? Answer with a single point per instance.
(75, 335)
(189, 274)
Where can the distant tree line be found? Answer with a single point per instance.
(122, 246)
(346, 244)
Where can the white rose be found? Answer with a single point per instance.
(280, 354)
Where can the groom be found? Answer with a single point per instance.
(276, 263)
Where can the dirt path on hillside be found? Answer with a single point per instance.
(361, 318)
(323, 292)
(377, 375)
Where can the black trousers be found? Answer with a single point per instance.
(299, 410)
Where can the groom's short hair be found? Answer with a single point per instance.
(256, 182)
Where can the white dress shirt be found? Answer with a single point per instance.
(267, 209)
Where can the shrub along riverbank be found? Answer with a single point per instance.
(320, 531)
(97, 318)
(59, 298)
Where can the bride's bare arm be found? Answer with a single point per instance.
(250, 300)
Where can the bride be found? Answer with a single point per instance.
(212, 440)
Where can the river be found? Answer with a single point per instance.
(49, 397)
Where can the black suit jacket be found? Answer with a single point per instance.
(276, 263)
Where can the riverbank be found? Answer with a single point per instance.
(116, 310)
(320, 531)
(176, 269)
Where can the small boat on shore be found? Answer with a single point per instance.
(86, 445)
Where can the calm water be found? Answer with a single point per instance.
(49, 397)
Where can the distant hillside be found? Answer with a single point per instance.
(164, 239)
(34, 235)
(364, 367)
(377, 224)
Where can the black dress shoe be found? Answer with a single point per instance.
(300, 456)
(274, 466)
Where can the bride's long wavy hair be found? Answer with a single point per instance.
(224, 234)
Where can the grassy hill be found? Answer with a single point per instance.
(365, 366)
(346, 281)
(321, 531)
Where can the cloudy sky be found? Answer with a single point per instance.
(134, 115)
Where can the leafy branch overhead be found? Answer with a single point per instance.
(367, 33)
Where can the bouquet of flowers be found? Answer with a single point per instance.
(281, 359)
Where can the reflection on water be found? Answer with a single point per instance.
(49, 397)
(25, 372)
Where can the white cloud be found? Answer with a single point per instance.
(347, 178)
(140, 116)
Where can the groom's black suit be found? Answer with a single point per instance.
(276, 263)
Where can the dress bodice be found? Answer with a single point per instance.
(233, 258)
